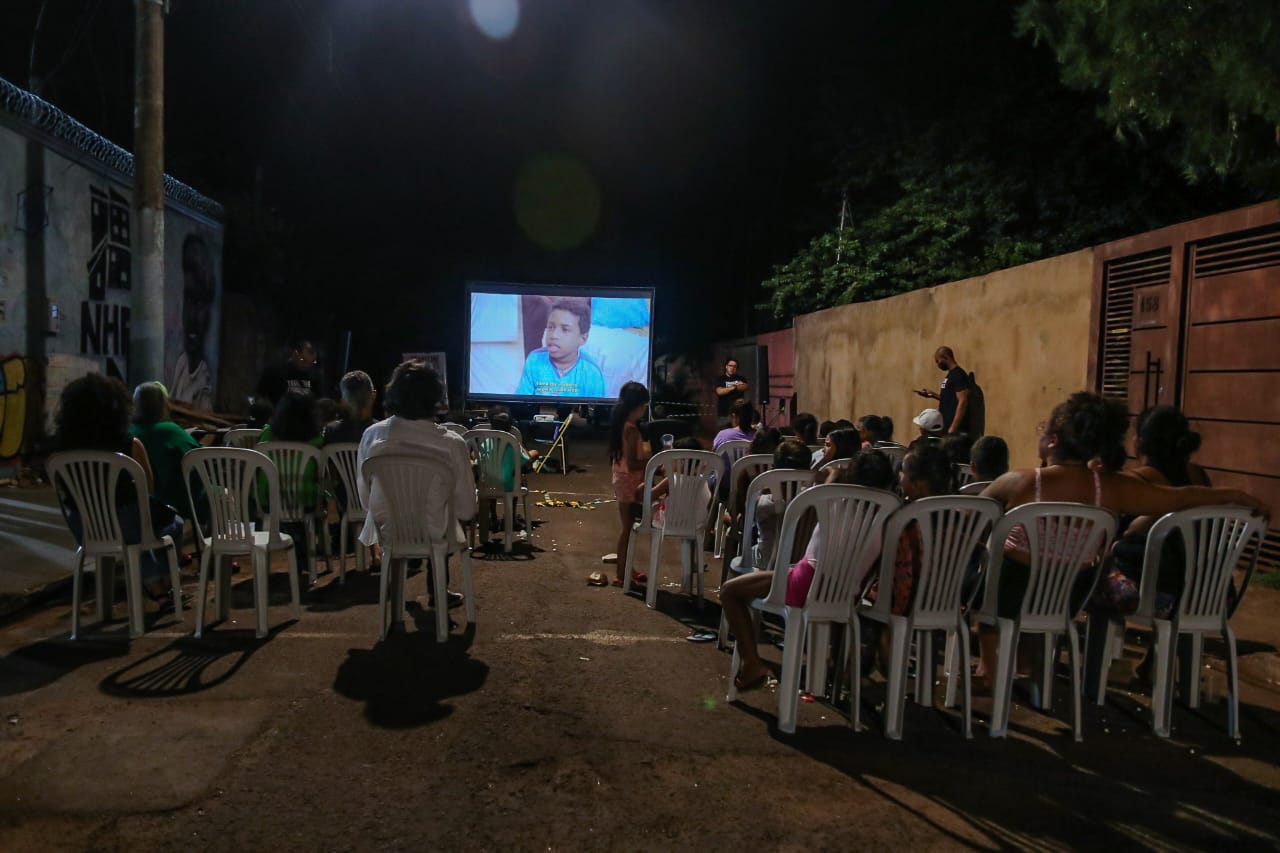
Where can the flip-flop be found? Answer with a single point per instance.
(597, 579)
(754, 684)
(702, 636)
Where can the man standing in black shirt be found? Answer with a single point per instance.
(953, 396)
(730, 387)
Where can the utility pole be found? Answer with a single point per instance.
(146, 335)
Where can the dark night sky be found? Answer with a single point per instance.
(388, 136)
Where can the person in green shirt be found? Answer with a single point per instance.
(166, 444)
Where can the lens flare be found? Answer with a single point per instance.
(497, 19)
(557, 201)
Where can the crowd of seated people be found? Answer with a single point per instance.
(1081, 447)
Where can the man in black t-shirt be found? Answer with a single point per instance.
(953, 396)
(731, 387)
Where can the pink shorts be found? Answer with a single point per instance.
(799, 579)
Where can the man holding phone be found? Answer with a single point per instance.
(953, 395)
(731, 387)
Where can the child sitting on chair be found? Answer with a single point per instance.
(500, 420)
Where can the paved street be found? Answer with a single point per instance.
(35, 547)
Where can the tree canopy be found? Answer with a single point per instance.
(974, 157)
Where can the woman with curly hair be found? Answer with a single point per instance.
(1084, 428)
(93, 414)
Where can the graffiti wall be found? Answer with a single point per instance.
(67, 197)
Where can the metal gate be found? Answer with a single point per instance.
(1190, 316)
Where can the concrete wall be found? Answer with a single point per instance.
(89, 265)
(1023, 331)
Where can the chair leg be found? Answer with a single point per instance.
(792, 657)
(967, 676)
(1162, 692)
(77, 585)
(1049, 663)
(1005, 665)
(1073, 638)
(383, 581)
(175, 581)
(1099, 637)
(468, 588)
(855, 672)
(261, 567)
(655, 554)
(1189, 648)
(133, 590)
(343, 533)
(508, 522)
(950, 664)
(442, 596)
(924, 668)
(819, 649)
(313, 551)
(695, 559)
(735, 661)
(628, 564)
(1233, 681)
(202, 588)
(294, 582)
(895, 696)
(222, 597)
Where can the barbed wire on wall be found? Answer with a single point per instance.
(41, 114)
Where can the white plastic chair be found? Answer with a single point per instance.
(964, 474)
(1214, 540)
(489, 446)
(827, 467)
(241, 437)
(340, 461)
(88, 479)
(684, 519)
(405, 481)
(952, 530)
(1064, 540)
(299, 465)
(452, 427)
(734, 451)
(754, 464)
(783, 485)
(852, 519)
(230, 476)
(974, 488)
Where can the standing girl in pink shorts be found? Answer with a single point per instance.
(627, 456)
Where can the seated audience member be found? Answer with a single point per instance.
(870, 468)
(989, 458)
(412, 397)
(885, 434)
(765, 441)
(328, 410)
(1165, 445)
(742, 418)
(806, 427)
(296, 420)
(661, 487)
(790, 455)
(930, 423)
(1083, 428)
(824, 429)
(93, 414)
(166, 443)
(500, 420)
(358, 394)
(958, 446)
(868, 427)
(839, 444)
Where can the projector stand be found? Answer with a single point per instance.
(556, 442)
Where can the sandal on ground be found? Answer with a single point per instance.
(609, 559)
(597, 579)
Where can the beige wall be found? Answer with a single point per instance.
(1023, 331)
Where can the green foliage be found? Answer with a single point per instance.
(1208, 72)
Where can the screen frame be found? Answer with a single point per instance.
(553, 291)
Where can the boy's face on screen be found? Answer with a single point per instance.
(563, 337)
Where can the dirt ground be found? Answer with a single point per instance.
(572, 718)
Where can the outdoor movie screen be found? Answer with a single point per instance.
(543, 343)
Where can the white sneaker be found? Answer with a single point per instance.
(609, 558)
